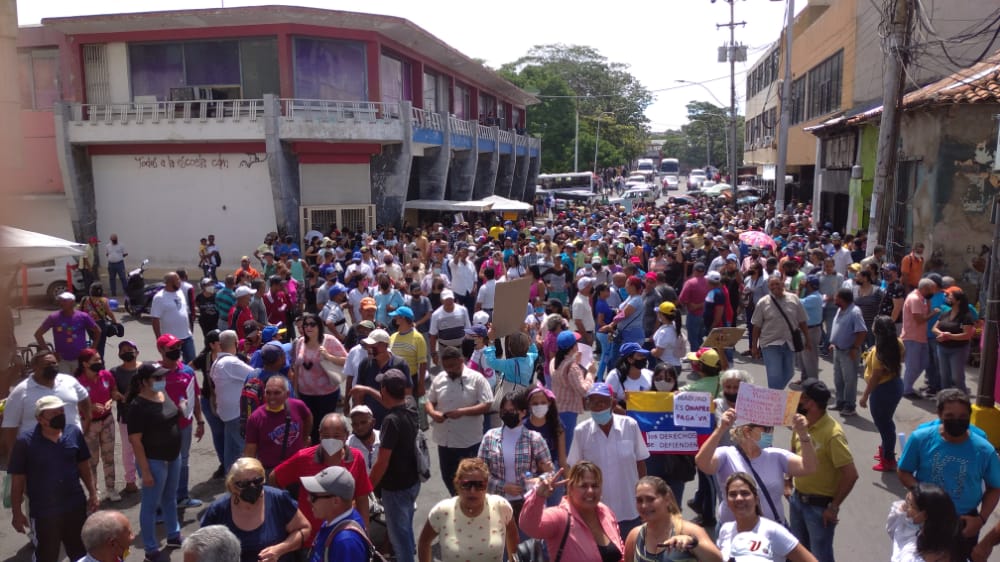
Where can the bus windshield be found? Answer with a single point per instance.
(670, 166)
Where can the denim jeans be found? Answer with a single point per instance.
(116, 271)
(779, 364)
(233, 443)
(915, 361)
(568, 420)
(602, 366)
(696, 330)
(187, 349)
(951, 365)
(448, 459)
(845, 379)
(399, 508)
(809, 358)
(215, 426)
(161, 495)
(932, 373)
(182, 480)
(883, 402)
(807, 525)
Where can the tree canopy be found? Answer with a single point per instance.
(703, 139)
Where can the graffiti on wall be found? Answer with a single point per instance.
(198, 161)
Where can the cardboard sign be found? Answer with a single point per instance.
(657, 416)
(511, 304)
(724, 338)
(765, 406)
(586, 354)
(693, 409)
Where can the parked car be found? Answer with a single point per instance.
(696, 178)
(48, 278)
(637, 193)
(670, 183)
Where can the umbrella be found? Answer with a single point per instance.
(757, 238)
(18, 246)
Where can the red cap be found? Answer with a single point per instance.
(94, 240)
(635, 259)
(166, 341)
(651, 275)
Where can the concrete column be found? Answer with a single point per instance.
(505, 175)
(434, 165)
(282, 169)
(486, 170)
(463, 171)
(12, 162)
(534, 162)
(521, 171)
(390, 173)
(77, 176)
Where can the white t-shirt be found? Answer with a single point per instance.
(771, 465)
(355, 356)
(665, 338)
(449, 327)
(369, 456)
(172, 310)
(20, 409)
(115, 252)
(487, 294)
(644, 382)
(582, 311)
(767, 541)
(229, 373)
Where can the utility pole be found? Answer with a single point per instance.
(733, 53)
(786, 114)
(988, 361)
(576, 143)
(883, 193)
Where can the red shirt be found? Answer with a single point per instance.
(99, 390)
(178, 381)
(277, 305)
(244, 315)
(304, 463)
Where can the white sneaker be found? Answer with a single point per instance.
(113, 495)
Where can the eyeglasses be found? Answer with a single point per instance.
(473, 485)
(259, 481)
(313, 498)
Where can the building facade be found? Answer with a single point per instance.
(169, 126)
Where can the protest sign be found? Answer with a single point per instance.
(723, 338)
(765, 406)
(511, 306)
(657, 418)
(586, 354)
(693, 409)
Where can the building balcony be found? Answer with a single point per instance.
(206, 121)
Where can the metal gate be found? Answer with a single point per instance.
(322, 217)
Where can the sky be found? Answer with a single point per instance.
(661, 40)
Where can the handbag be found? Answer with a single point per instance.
(762, 488)
(533, 550)
(506, 386)
(797, 342)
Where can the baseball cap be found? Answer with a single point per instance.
(244, 291)
(698, 266)
(713, 276)
(812, 280)
(377, 336)
(166, 341)
(635, 259)
(51, 402)
(596, 260)
(584, 282)
(855, 267)
(271, 352)
(270, 332)
(404, 311)
(337, 289)
(481, 318)
(476, 330)
(600, 389)
(416, 288)
(447, 294)
(356, 256)
(667, 307)
(66, 296)
(94, 240)
(890, 267)
(706, 356)
(130, 343)
(368, 324)
(331, 481)
(393, 377)
(361, 409)
(816, 390)
(629, 348)
(250, 327)
(368, 303)
(732, 257)
(566, 339)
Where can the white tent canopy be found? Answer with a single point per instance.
(17, 246)
(445, 205)
(503, 204)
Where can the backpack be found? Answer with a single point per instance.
(251, 396)
(350, 525)
(423, 456)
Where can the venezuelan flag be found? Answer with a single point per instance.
(653, 411)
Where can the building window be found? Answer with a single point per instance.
(327, 69)
(798, 108)
(395, 78)
(39, 77)
(463, 102)
(430, 99)
(825, 85)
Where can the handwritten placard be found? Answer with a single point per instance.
(672, 441)
(693, 409)
(765, 406)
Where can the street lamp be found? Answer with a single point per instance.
(597, 141)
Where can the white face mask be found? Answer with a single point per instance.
(663, 386)
(539, 410)
(332, 446)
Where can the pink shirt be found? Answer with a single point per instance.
(178, 382)
(549, 524)
(570, 383)
(912, 329)
(312, 379)
(99, 389)
(693, 294)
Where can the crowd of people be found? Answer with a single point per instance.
(318, 369)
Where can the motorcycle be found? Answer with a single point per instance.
(139, 294)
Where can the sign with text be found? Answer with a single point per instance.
(723, 338)
(511, 306)
(673, 424)
(765, 406)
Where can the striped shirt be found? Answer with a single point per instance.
(570, 383)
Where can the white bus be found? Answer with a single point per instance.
(581, 181)
(670, 166)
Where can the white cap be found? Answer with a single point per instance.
(481, 318)
(377, 336)
(244, 291)
(361, 409)
(447, 294)
(66, 296)
(584, 282)
(713, 276)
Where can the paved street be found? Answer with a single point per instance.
(861, 536)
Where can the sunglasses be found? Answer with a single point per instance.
(259, 481)
(473, 485)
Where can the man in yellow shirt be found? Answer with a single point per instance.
(410, 346)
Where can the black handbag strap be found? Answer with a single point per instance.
(562, 544)
(760, 485)
(783, 315)
(284, 440)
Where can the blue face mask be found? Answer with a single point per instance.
(766, 440)
(159, 386)
(602, 417)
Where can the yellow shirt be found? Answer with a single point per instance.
(872, 364)
(410, 347)
(496, 232)
(831, 451)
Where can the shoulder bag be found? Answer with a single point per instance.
(533, 550)
(797, 342)
(762, 488)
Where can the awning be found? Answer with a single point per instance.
(450, 206)
(18, 246)
(501, 204)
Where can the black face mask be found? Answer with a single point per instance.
(252, 493)
(173, 354)
(731, 397)
(50, 372)
(802, 410)
(510, 419)
(58, 422)
(127, 357)
(97, 367)
(639, 363)
(955, 428)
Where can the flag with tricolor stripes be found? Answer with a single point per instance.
(670, 432)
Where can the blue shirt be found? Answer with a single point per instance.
(961, 469)
(515, 369)
(279, 509)
(345, 546)
(51, 470)
(937, 301)
(813, 303)
(846, 324)
(602, 307)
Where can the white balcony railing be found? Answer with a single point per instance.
(460, 127)
(332, 111)
(427, 119)
(488, 133)
(232, 111)
(505, 136)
